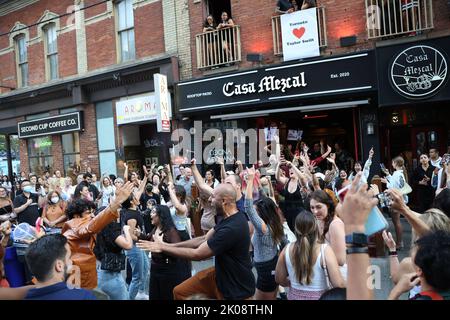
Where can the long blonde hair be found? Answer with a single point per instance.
(400, 163)
(307, 234)
(435, 219)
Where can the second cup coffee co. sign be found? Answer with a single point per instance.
(50, 125)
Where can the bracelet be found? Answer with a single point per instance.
(354, 250)
(393, 253)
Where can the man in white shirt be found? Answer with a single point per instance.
(436, 162)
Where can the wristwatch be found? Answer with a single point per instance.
(357, 239)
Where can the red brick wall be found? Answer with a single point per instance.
(36, 64)
(95, 10)
(101, 44)
(149, 30)
(67, 54)
(88, 140)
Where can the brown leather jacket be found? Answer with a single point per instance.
(81, 234)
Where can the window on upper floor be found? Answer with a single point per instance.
(21, 60)
(216, 7)
(125, 30)
(51, 51)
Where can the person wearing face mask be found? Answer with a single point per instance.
(54, 212)
(151, 192)
(27, 204)
(49, 259)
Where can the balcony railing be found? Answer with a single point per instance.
(218, 48)
(392, 18)
(276, 31)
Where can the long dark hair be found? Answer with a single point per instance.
(307, 233)
(323, 197)
(78, 189)
(267, 210)
(165, 218)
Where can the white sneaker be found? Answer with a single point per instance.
(142, 296)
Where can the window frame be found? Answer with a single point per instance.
(126, 30)
(48, 55)
(19, 63)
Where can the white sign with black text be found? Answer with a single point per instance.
(300, 34)
(162, 100)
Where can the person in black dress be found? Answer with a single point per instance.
(422, 178)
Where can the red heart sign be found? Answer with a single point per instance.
(299, 32)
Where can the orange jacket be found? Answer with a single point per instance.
(81, 233)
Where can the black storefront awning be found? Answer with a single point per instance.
(414, 73)
(272, 86)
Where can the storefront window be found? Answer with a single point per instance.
(40, 154)
(106, 137)
(71, 154)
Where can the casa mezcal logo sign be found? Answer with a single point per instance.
(419, 72)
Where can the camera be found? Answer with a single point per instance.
(385, 200)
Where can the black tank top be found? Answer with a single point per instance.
(6, 209)
(292, 200)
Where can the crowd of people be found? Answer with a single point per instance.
(135, 238)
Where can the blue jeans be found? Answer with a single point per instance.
(113, 284)
(140, 271)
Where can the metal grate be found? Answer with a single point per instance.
(392, 18)
(218, 48)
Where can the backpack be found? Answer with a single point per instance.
(432, 295)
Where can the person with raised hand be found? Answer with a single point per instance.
(354, 211)
(267, 236)
(232, 276)
(82, 227)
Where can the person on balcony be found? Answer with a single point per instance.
(285, 6)
(227, 38)
(308, 4)
(211, 39)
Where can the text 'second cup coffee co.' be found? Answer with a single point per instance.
(51, 125)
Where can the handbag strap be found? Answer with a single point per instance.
(324, 265)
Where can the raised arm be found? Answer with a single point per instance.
(368, 164)
(419, 226)
(169, 173)
(125, 174)
(257, 222)
(278, 176)
(354, 212)
(199, 181)
(173, 198)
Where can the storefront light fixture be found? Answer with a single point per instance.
(309, 108)
(370, 128)
(348, 41)
(255, 57)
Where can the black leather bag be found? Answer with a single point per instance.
(113, 262)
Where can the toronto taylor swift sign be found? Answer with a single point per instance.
(275, 84)
(419, 71)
